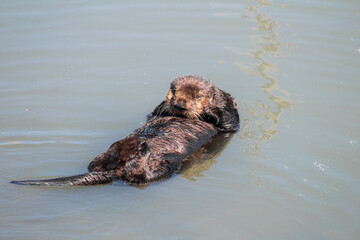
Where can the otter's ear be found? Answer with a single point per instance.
(172, 87)
(223, 112)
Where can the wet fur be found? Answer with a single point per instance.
(192, 114)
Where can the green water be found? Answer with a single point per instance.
(76, 76)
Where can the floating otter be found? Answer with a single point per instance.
(192, 114)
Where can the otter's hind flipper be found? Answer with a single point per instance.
(92, 178)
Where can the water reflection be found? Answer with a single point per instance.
(201, 160)
(263, 117)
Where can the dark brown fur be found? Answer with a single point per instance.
(192, 114)
(159, 146)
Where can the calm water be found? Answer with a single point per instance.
(75, 76)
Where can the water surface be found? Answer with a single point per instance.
(78, 76)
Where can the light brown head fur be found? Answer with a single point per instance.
(194, 97)
(188, 96)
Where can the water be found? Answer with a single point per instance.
(75, 76)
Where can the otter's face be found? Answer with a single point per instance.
(187, 100)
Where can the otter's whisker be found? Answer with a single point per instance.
(163, 110)
(201, 117)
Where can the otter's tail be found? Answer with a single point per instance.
(92, 178)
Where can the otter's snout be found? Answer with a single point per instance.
(180, 106)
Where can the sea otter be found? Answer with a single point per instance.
(194, 111)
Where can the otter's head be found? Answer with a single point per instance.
(196, 98)
(188, 96)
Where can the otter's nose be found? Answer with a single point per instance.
(180, 106)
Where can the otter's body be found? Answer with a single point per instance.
(192, 114)
(150, 154)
